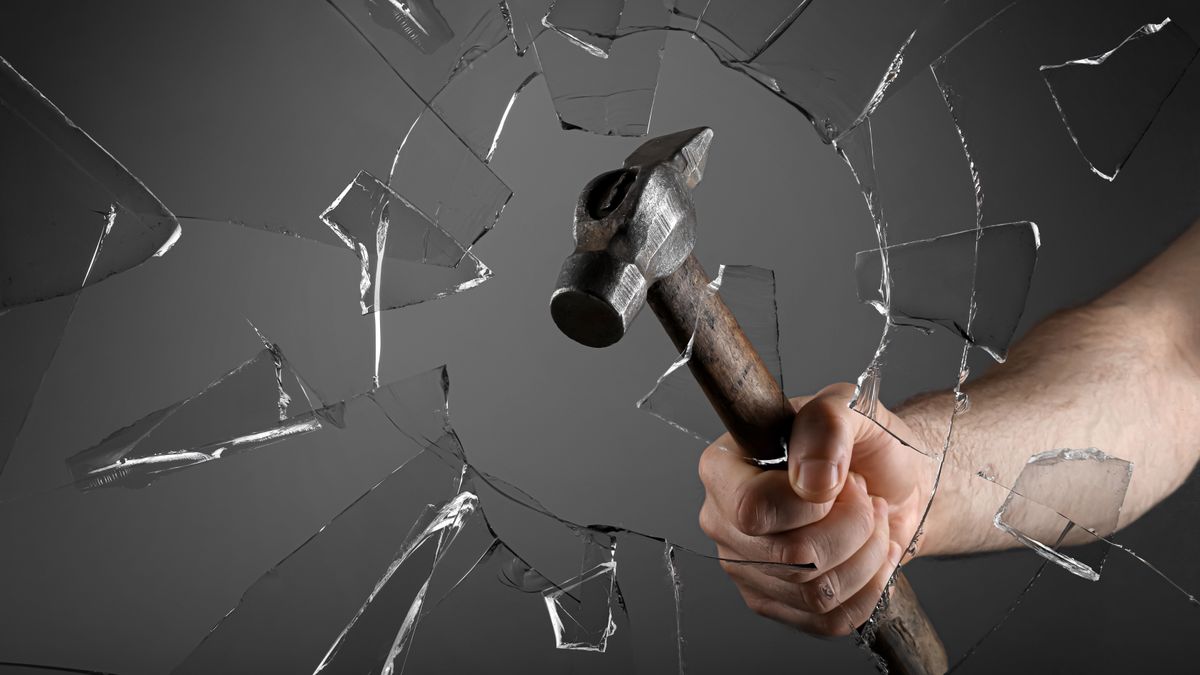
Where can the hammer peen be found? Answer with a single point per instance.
(635, 229)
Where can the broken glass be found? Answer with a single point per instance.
(748, 292)
(260, 402)
(82, 216)
(441, 566)
(976, 277)
(77, 217)
(447, 181)
(606, 92)
(830, 61)
(1108, 101)
(590, 24)
(733, 33)
(1060, 492)
(382, 227)
(29, 338)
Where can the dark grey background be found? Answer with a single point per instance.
(267, 111)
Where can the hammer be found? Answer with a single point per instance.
(635, 229)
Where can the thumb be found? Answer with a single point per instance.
(821, 443)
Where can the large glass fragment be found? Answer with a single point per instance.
(1108, 101)
(74, 214)
(607, 92)
(29, 338)
(1059, 492)
(291, 618)
(973, 283)
(262, 401)
(830, 61)
(455, 56)
(379, 226)
(748, 292)
(733, 33)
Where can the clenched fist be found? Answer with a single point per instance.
(849, 502)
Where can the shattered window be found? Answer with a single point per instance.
(250, 249)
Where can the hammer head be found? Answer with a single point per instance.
(633, 226)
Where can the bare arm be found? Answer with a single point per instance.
(1121, 374)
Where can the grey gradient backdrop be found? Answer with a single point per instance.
(218, 106)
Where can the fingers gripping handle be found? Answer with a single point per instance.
(757, 414)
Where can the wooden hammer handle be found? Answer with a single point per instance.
(759, 417)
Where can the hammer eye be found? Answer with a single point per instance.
(609, 191)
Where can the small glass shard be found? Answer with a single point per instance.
(732, 32)
(1108, 101)
(581, 609)
(676, 398)
(418, 21)
(386, 231)
(612, 95)
(426, 43)
(973, 283)
(524, 20)
(75, 215)
(1065, 497)
(590, 24)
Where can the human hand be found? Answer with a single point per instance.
(849, 502)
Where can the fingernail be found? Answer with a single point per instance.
(894, 554)
(817, 475)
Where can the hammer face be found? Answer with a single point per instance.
(633, 226)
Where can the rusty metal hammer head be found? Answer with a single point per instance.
(633, 226)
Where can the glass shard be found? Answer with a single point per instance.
(289, 620)
(1058, 494)
(581, 609)
(76, 215)
(733, 33)
(524, 20)
(613, 95)
(29, 338)
(590, 24)
(386, 231)
(973, 283)
(418, 21)
(426, 43)
(455, 56)
(676, 398)
(443, 178)
(1108, 101)
(943, 28)
(358, 646)
(830, 60)
(258, 403)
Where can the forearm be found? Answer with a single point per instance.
(1119, 374)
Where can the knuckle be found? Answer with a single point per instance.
(793, 551)
(821, 594)
(708, 520)
(756, 603)
(754, 514)
(705, 467)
